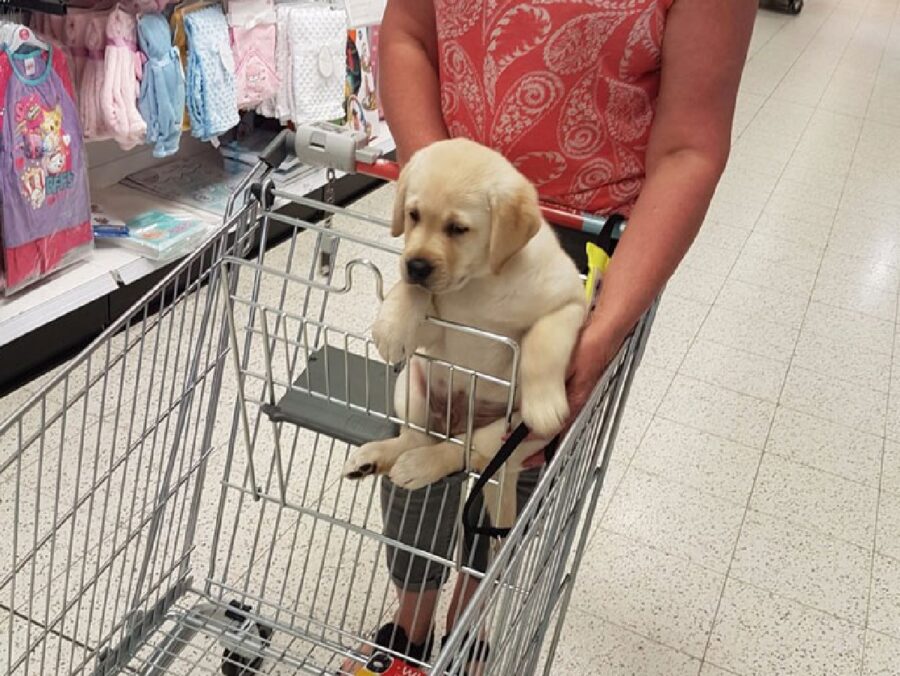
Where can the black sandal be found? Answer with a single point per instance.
(394, 637)
(479, 652)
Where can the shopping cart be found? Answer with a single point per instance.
(172, 501)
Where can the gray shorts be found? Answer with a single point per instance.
(429, 519)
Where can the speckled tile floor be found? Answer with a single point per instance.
(750, 520)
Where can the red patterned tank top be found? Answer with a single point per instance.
(565, 89)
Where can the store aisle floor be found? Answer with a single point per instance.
(750, 520)
(751, 516)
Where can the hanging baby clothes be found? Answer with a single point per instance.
(253, 34)
(76, 25)
(278, 105)
(92, 77)
(318, 38)
(46, 203)
(211, 97)
(118, 97)
(161, 100)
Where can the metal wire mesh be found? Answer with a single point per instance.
(149, 487)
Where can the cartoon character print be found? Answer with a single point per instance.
(34, 186)
(55, 143)
(29, 117)
(45, 162)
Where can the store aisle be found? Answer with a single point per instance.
(750, 521)
(752, 509)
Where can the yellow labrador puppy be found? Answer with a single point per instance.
(479, 253)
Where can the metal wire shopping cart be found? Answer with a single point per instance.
(172, 501)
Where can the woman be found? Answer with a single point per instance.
(608, 106)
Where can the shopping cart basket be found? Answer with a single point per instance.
(172, 500)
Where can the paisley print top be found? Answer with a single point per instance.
(565, 89)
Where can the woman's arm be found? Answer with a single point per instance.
(704, 49)
(409, 89)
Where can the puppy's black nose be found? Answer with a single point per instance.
(418, 270)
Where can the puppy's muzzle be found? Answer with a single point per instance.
(418, 270)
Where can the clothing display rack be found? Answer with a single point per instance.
(56, 7)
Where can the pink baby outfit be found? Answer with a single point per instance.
(253, 37)
(254, 57)
(119, 91)
(92, 76)
(76, 27)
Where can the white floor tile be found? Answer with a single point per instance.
(714, 409)
(822, 396)
(695, 284)
(676, 519)
(851, 327)
(802, 565)
(795, 281)
(688, 456)
(813, 234)
(748, 333)
(709, 669)
(827, 446)
(865, 299)
(890, 477)
(823, 502)
(739, 215)
(882, 655)
(829, 355)
(892, 428)
(649, 387)
(763, 304)
(844, 265)
(888, 538)
(760, 634)
(735, 369)
(612, 650)
(716, 260)
(658, 595)
(632, 428)
(884, 604)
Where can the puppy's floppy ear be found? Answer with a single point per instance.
(398, 220)
(515, 219)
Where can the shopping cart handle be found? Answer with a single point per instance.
(573, 220)
(333, 147)
(279, 149)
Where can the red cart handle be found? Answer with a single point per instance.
(390, 171)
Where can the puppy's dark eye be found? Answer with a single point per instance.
(414, 215)
(455, 229)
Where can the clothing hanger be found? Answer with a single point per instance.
(15, 36)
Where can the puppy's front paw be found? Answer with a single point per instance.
(363, 462)
(411, 473)
(545, 410)
(395, 337)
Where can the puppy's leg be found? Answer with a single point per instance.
(500, 499)
(398, 328)
(378, 457)
(420, 467)
(546, 351)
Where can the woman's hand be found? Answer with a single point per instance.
(593, 352)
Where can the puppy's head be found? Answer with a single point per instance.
(465, 211)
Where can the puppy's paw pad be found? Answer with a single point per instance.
(361, 464)
(546, 413)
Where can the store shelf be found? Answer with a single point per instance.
(110, 267)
